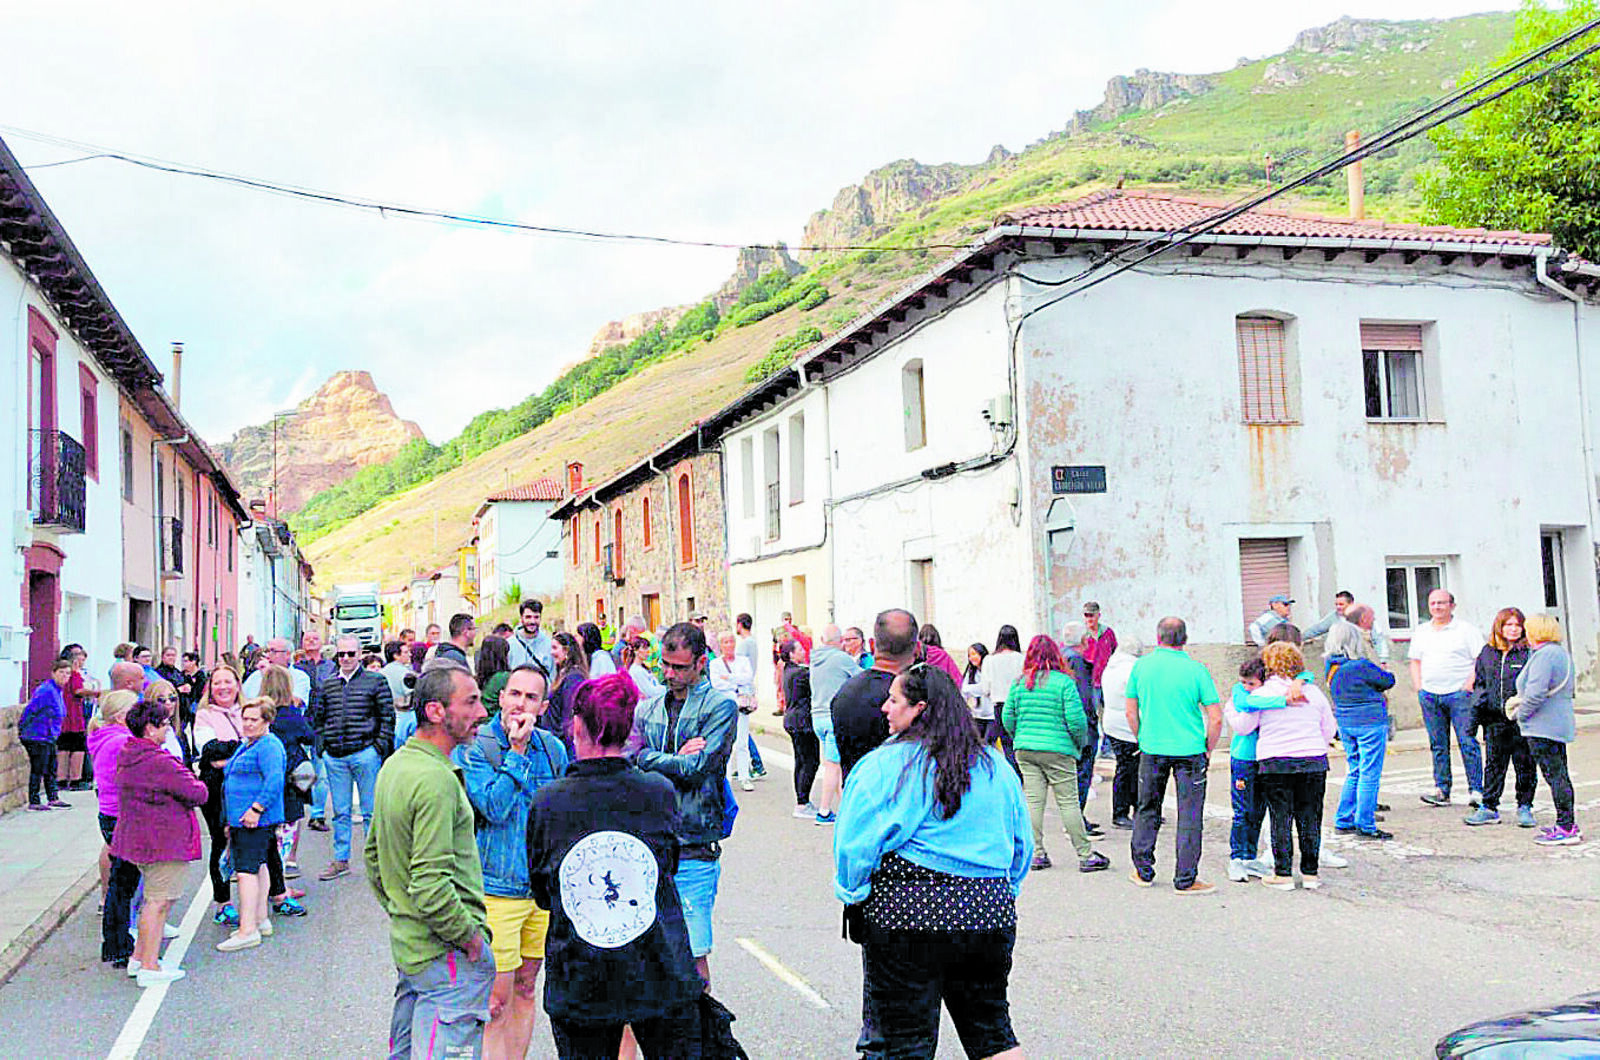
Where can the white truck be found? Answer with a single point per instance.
(357, 611)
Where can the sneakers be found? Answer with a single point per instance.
(235, 942)
(169, 932)
(291, 870)
(1236, 871)
(228, 915)
(1310, 883)
(1376, 833)
(1122, 822)
(1345, 829)
(1091, 828)
(265, 929)
(1095, 862)
(1139, 881)
(1482, 815)
(827, 818)
(758, 774)
(1556, 836)
(60, 804)
(1332, 860)
(38, 806)
(317, 824)
(289, 907)
(1258, 867)
(334, 870)
(1041, 861)
(1278, 883)
(805, 810)
(1198, 887)
(1384, 807)
(160, 975)
(133, 967)
(1525, 817)
(1436, 798)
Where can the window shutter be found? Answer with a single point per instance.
(1391, 337)
(1263, 370)
(1263, 573)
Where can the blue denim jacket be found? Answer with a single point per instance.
(710, 714)
(503, 795)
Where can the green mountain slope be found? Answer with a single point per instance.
(1202, 134)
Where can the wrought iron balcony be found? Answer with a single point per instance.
(171, 546)
(56, 490)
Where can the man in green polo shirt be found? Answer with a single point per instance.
(422, 861)
(1173, 710)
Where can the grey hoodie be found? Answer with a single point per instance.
(1545, 686)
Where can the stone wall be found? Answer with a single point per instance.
(13, 762)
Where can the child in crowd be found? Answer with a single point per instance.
(39, 727)
(1244, 839)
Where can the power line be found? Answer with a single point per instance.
(1433, 115)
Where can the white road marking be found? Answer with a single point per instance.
(128, 1043)
(775, 966)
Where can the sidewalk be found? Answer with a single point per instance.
(50, 864)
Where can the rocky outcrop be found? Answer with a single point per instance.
(753, 261)
(346, 425)
(1347, 33)
(1142, 90)
(630, 327)
(861, 212)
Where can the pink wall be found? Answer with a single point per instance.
(215, 586)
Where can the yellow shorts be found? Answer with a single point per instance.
(517, 927)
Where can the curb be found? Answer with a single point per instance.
(45, 925)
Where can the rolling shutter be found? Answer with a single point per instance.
(1391, 337)
(1263, 574)
(1263, 370)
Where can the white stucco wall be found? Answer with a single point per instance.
(965, 523)
(1141, 374)
(801, 522)
(519, 543)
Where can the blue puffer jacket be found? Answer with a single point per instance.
(500, 785)
(711, 715)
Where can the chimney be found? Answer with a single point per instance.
(1352, 172)
(574, 478)
(177, 376)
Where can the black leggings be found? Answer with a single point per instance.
(1295, 801)
(1552, 758)
(1125, 783)
(220, 891)
(807, 758)
(115, 942)
(41, 770)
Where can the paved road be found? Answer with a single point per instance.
(1443, 926)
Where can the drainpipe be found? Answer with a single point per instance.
(155, 489)
(1542, 274)
(808, 384)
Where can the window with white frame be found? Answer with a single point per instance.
(1407, 583)
(1392, 370)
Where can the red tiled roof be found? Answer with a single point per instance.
(1146, 211)
(540, 489)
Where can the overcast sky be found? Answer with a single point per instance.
(721, 121)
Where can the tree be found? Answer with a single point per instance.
(1527, 160)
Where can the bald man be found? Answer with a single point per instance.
(127, 677)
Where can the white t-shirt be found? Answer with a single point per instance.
(1447, 655)
(1000, 671)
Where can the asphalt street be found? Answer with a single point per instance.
(1442, 926)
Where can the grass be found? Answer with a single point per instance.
(1213, 143)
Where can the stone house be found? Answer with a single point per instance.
(648, 543)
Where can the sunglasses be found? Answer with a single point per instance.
(345, 654)
(166, 699)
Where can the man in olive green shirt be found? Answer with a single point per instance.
(422, 862)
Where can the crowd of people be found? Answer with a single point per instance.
(556, 802)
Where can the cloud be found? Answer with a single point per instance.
(719, 120)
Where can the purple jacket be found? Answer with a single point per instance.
(158, 795)
(105, 743)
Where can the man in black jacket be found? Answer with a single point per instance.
(354, 717)
(317, 670)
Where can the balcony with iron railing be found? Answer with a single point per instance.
(171, 546)
(57, 492)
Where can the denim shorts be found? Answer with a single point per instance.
(824, 730)
(697, 893)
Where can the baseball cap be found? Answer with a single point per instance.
(1091, 608)
(1281, 599)
(699, 616)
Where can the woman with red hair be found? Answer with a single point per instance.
(1048, 726)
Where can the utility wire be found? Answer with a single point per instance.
(1397, 133)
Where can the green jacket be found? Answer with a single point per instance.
(1047, 717)
(422, 857)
